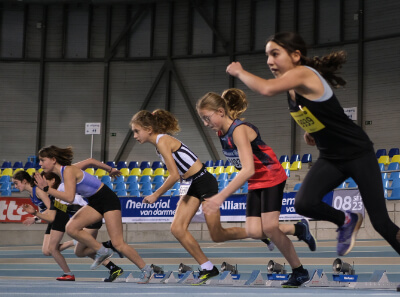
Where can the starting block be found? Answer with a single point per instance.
(255, 279)
(378, 280)
(169, 278)
(225, 278)
(186, 278)
(131, 279)
(319, 279)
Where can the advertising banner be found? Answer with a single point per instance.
(11, 210)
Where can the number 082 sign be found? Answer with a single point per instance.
(348, 200)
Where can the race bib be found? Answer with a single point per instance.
(184, 188)
(307, 120)
(60, 206)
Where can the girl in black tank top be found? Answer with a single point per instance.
(345, 149)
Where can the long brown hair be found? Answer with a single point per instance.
(160, 121)
(63, 156)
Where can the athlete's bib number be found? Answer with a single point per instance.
(184, 188)
(307, 120)
(60, 206)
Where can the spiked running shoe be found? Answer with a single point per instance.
(66, 278)
(307, 236)
(205, 275)
(347, 233)
(296, 279)
(269, 244)
(114, 274)
(146, 276)
(100, 258)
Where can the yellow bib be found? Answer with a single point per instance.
(307, 120)
(60, 206)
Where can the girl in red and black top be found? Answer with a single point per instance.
(243, 147)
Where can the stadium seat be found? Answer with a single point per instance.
(166, 174)
(133, 186)
(134, 193)
(307, 158)
(17, 169)
(287, 172)
(118, 179)
(145, 179)
(285, 165)
(100, 173)
(395, 195)
(395, 158)
(218, 170)
(5, 179)
(393, 182)
(132, 179)
(229, 169)
(106, 179)
(29, 164)
(31, 171)
(294, 158)
(296, 165)
(210, 169)
(147, 192)
(136, 171)
(245, 188)
(111, 164)
(223, 176)
(174, 192)
(176, 186)
(157, 164)
(121, 164)
(227, 163)
(158, 179)
(124, 172)
(147, 171)
(6, 164)
(5, 186)
(393, 166)
(380, 152)
(219, 163)
(119, 187)
(88, 170)
(133, 164)
(167, 193)
(384, 159)
(145, 186)
(393, 151)
(232, 176)
(283, 158)
(5, 193)
(159, 171)
(297, 187)
(157, 185)
(7, 171)
(18, 164)
(222, 184)
(209, 163)
(144, 164)
(122, 193)
(381, 166)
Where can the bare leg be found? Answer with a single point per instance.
(55, 238)
(45, 245)
(185, 211)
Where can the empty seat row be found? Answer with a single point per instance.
(306, 158)
(392, 152)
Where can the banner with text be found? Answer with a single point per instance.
(11, 210)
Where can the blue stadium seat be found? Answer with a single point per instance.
(297, 187)
(146, 186)
(393, 182)
(222, 184)
(133, 164)
(232, 176)
(209, 163)
(106, 179)
(145, 179)
(245, 188)
(5, 179)
(111, 164)
(287, 172)
(118, 179)
(147, 192)
(223, 176)
(228, 163)
(167, 193)
(18, 164)
(122, 192)
(134, 193)
(5, 193)
(158, 179)
(132, 179)
(157, 186)
(120, 186)
(28, 165)
(219, 163)
(395, 195)
(394, 151)
(157, 164)
(121, 164)
(294, 157)
(283, 158)
(393, 166)
(380, 152)
(5, 186)
(176, 186)
(174, 192)
(307, 158)
(144, 164)
(133, 186)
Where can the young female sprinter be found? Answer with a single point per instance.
(243, 147)
(102, 203)
(345, 149)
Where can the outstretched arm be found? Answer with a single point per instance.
(95, 163)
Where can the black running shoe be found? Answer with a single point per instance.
(114, 273)
(108, 244)
(296, 279)
(205, 275)
(306, 235)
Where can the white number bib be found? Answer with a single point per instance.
(185, 185)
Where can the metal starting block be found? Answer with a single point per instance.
(255, 279)
(169, 278)
(186, 278)
(378, 280)
(319, 279)
(225, 278)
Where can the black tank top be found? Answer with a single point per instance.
(336, 136)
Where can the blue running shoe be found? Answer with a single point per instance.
(100, 258)
(306, 235)
(347, 234)
(296, 279)
(269, 244)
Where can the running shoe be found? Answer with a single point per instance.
(205, 275)
(108, 244)
(66, 278)
(306, 235)
(269, 244)
(114, 273)
(296, 279)
(100, 258)
(347, 233)
(146, 276)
